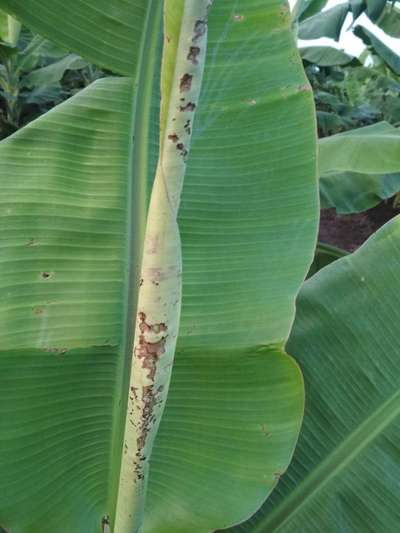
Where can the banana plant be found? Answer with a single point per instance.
(151, 254)
(345, 335)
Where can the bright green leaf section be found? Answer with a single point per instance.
(346, 340)
(359, 168)
(107, 33)
(63, 240)
(9, 29)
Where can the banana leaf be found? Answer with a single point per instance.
(327, 23)
(389, 54)
(76, 189)
(345, 337)
(325, 56)
(359, 168)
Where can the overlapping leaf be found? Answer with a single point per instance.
(346, 340)
(359, 168)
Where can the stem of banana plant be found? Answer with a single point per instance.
(160, 292)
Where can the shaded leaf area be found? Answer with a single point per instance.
(325, 255)
(359, 168)
(232, 224)
(346, 463)
(349, 232)
(352, 96)
(35, 75)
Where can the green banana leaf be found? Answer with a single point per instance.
(325, 56)
(345, 337)
(387, 53)
(327, 23)
(375, 8)
(359, 168)
(389, 20)
(75, 190)
(9, 29)
(304, 9)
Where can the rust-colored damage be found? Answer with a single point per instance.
(185, 83)
(190, 106)
(150, 352)
(193, 54)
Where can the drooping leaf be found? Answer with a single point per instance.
(325, 56)
(359, 168)
(389, 21)
(324, 24)
(77, 184)
(375, 8)
(345, 338)
(354, 192)
(53, 73)
(387, 53)
(308, 8)
(369, 149)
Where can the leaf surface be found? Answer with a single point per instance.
(244, 258)
(359, 168)
(106, 32)
(346, 335)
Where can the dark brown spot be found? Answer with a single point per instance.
(182, 149)
(193, 54)
(186, 83)
(200, 29)
(190, 106)
(173, 137)
(46, 275)
(187, 127)
(31, 242)
(38, 311)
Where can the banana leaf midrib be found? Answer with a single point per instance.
(138, 179)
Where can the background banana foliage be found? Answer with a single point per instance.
(75, 190)
(345, 472)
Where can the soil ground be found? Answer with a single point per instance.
(350, 231)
